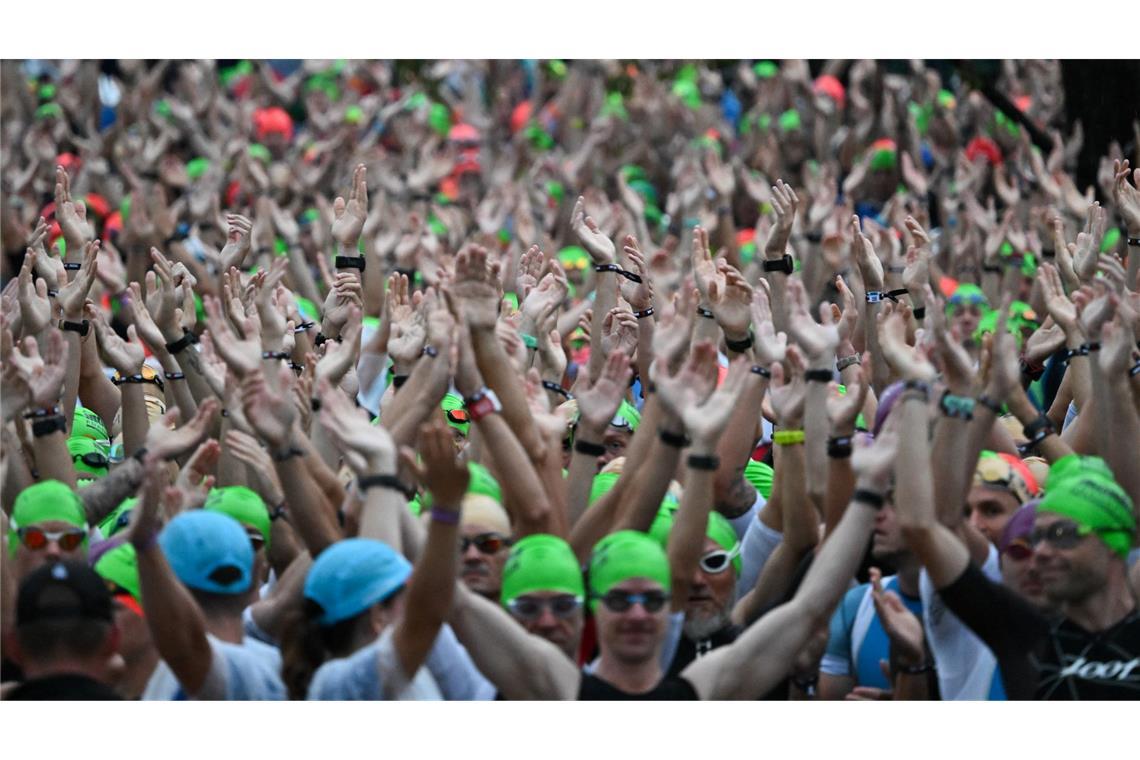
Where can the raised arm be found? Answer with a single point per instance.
(764, 654)
(603, 253)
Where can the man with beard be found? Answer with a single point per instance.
(712, 593)
(858, 643)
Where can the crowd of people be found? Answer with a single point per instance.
(578, 380)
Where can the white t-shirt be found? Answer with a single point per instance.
(374, 673)
(246, 671)
(966, 667)
(756, 548)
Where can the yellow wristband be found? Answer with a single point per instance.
(788, 437)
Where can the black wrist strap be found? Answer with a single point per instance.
(644, 313)
(706, 313)
(82, 327)
(673, 439)
(48, 425)
(839, 447)
(554, 387)
(739, 346)
(818, 375)
(1038, 430)
(178, 346)
(1135, 370)
(322, 338)
(349, 262)
(589, 449)
(1073, 353)
(71, 266)
(990, 404)
(763, 372)
(398, 381)
(894, 294)
(920, 312)
(697, 462)
(1134, 241)
(275, 355)
(385, 481)
(869, 498)
(631, 276)
(287, 454)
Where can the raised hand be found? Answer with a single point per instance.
(165, 443)
(1117, 342)
(71, 215)
(818, 341)
(707, 420)
(35, 308)
(787, 397)
(639, 295)
(368, 449)
(1060, 307)
(196, 477)
(869, 264)
(784, 203)
(351, 215)
(599, 401)
(619, 331)
(730, 300)
(600, 247)
(692, 385)
(1127, 196)
(529, 271)
(901, 625)
(1085, 254)
(874, 463)
(849, 317)
(43, 375)
(241, 354)
(341, 356)
(475, 292)
(1003, 370)
(73, 295)
(441, 474)
(269, 410)
(906, 361)
(768, 346)
(843, 409)
(238, 244)
(126, 356)
(705, 272)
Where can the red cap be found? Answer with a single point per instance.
(113, 224)
(464, 133)
(232, 193)
(745, 236)
(98, 204)
(1023, 103)
(68, 160)
(983, 146)
(521, 115)
(269, 120)
(832, 88)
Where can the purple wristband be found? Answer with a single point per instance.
(445, 516)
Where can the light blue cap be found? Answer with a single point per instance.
(209, 551)
(352, 575)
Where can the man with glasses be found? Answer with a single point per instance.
(544, 592)
(485, 537)
(48, 525)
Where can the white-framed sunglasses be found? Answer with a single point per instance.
(718, 561)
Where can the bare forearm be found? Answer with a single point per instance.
(499, 374)
(523, 494)
(605, 298)
(136, 423)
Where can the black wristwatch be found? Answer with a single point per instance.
(783, 264)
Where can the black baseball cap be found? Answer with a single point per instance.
(63, 590)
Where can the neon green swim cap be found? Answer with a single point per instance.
(624, 555)
(541, 562)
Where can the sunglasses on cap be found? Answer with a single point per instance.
(92, 459)
(528, 608)
(969, 299)
(718, 561)
(575, 264)
(37, 538)
(1065, 534)
(623, 601)
(457, 416)
(1019, 549)
(486, 543)
(995, 471)
(621, 423)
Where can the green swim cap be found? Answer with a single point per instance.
(719, 529)
(614, 105)
(603, 484)
(483, 482)
(242, 504)
(629, 413)
(450, 403)
(1111, 240)
(646, 190)
(556, 191)
(765, 69)
(353, 114)
(121, 566)
(80, 447)
(541, 562)
(308, 309)
(760, 476)
(196, 167)
(439, 118)
(1084, 490)
(110, 527)
(574, 257)
(47, 110)
(688, 92)
(790, 120)
(260, 152)
(964, 295)
(624, 555)
(87, 424)
(46, 501)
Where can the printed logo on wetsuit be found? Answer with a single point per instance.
(1113, 670)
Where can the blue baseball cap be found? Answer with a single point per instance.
(352, 575)
(209, 551)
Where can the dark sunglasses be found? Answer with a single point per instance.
(719, 561)
(487, 543)
(37, 538)
(92, 459)
(1019, 549)
(527, 608)
(623, 601)
(1060, 535)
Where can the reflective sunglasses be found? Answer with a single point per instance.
(37, 538)
(1019, 549)
(972, 299)
(528, 608)
(623, 601)
(458, 416)
(718, 561)
(1061, 535)
(92, 459)
(486, 543)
